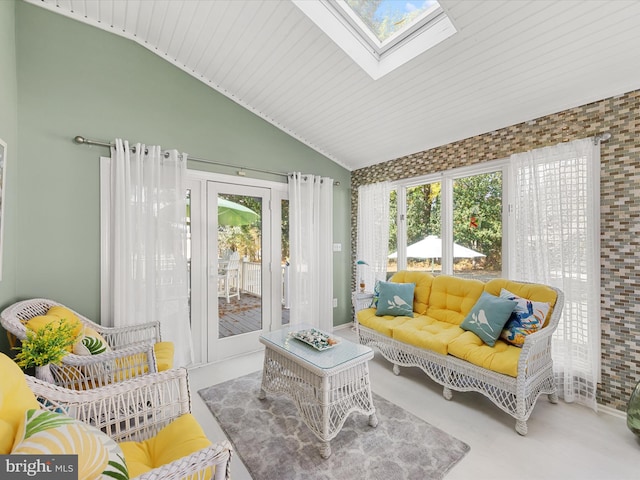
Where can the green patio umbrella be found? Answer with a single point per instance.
(234, 214)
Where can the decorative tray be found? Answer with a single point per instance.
(317, 339)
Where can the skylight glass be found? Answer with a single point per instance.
(386, 18)
(380, 35)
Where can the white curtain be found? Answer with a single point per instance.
(148, 243)
(373, 233)
(311, 250)
(556, 232)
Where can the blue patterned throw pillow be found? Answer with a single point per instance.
(395, 299)
(527, 318)
(376, 295)
(488, 316)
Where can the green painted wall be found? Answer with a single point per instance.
(9, 134)
(74, 79)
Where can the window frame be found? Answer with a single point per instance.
(446, 179)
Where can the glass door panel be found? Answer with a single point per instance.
(239, 255)
(392, 262)
(284, 260)
(477, 226)
(239, 293)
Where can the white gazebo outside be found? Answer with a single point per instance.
(431, 247)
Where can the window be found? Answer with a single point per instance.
(477, 225)
(449, 223)
(380, 35)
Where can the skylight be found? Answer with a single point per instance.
(387, 19)
(380, 35)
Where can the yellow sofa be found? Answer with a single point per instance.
(511, 376)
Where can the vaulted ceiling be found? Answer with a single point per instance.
(510, 61)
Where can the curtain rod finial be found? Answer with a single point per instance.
(79, 139)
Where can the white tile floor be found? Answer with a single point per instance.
(564, 441)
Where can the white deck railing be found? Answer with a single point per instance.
(251, 280)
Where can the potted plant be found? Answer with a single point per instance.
(45, 347)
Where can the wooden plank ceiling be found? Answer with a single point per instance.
(511, 61)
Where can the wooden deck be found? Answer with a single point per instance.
(243, 315)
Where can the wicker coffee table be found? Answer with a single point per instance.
(326, 386)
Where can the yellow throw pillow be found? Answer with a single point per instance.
(179, 439)
(63, 312)
(36, 323)
(15, 398)
(48, 433)
(7, 434)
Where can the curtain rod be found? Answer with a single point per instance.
(80, 140)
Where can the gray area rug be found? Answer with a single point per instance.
(275, 444)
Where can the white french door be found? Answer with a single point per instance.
(233, 328)
(233, 302)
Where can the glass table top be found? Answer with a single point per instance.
(344, 351)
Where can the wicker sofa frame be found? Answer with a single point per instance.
(132, 351)
(135, 410)
(515, 396)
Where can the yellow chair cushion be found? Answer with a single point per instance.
(453, 298)
(383, 325)
(530, 291)
(423, 282)
(180, 438)
(131, 366)
(164, 355)
(427, 333)
(15, 399)
(501, 358)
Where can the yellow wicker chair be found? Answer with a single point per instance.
(148, 418)
(132, 351)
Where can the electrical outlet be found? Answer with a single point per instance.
(335, 302)
(337, 247)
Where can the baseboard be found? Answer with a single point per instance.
(343, 326)
(612, 411)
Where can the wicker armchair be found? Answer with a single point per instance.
(132, 348)
(136, 410)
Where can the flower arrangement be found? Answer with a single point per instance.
(48, 345)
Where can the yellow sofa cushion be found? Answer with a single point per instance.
(422, 281)
(15, 399)
(501, 358)
(383, 325)
(428, 333)
(452, 298)
(530, 291)
(180, 438)
(164, 355)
